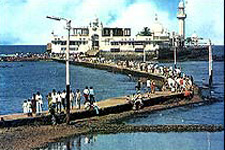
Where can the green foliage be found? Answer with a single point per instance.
(145, 32)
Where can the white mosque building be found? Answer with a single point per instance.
(108, 39)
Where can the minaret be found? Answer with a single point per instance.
(181, 19)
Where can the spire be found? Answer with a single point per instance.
(181, 4)
(156, 17)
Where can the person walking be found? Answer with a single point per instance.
(92, 98)
(86, 94)
(78, 95)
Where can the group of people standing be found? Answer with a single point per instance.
(57, 100)
(150, 84)
(89, 95)
(33, 105)
(177, 81)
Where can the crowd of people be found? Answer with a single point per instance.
(177, 81)
(25, 57)
(169, 73)
(57, 101)
(174, 80)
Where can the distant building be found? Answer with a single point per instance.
(98, 37)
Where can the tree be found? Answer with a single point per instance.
(188, 40)
(145, 32)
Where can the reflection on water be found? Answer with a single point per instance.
(77, 143)
(152, 140)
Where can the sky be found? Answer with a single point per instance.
(24, 21)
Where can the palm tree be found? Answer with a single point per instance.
(145, 32)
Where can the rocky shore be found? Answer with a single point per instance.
(33, 136)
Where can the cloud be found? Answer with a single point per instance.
(24, 21)
(142, 14)
(206, 18)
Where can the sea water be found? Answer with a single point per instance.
(206, 114)
(19, 80)
(143, 141)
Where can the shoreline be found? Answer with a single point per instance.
(38, 136)
(158, 60)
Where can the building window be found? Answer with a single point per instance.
(63, 42)
(127, 32)
(106, 32)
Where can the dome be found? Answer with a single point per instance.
(157, 27)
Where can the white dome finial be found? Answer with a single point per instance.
(156, 17)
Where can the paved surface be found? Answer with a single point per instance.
(102, 104)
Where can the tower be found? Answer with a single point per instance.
(181, 19)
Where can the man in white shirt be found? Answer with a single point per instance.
(54, 98)
(59, 102)
(39, 103)
(25, 107)
(86, 94)
(171, 83)
(29, 107)
(63, 96)
(78, 96)
(148, 86)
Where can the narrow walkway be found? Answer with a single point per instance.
(111, 102)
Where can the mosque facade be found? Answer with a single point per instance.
(107, 39)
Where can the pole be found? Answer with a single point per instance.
(68, 27)
(144, 58)
(175, 56)
(175, 53)
(68, 24)
(210, 65)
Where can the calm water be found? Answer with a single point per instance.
(19, 80)
(208, 114)
(144, 141)
(12, 49)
